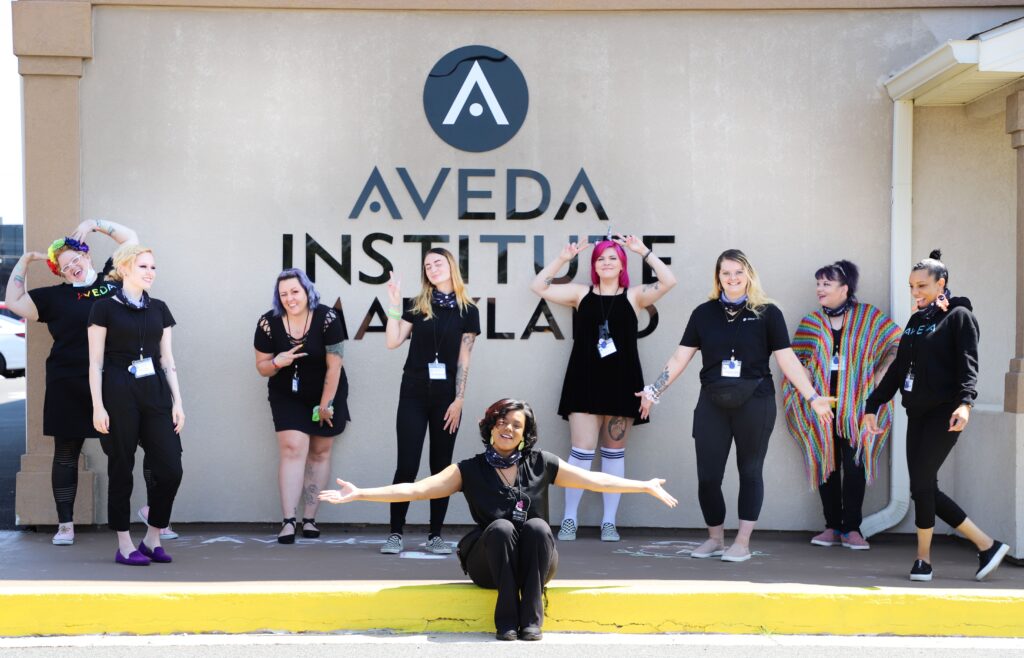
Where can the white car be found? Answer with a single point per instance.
(12, 347)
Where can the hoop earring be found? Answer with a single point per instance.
(522, 444)
(492, 441)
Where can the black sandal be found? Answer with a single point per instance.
(287, 539)
(310, 534)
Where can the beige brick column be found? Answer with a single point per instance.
(51, 38)
(1014, 391)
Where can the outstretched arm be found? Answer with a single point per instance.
(442, 485)
(576, 478)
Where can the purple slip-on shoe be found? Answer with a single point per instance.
(134, 559)
(158, 554)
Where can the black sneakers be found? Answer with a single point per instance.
(921, 571)
(990, 559)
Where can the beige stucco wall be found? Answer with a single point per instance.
(214, 132)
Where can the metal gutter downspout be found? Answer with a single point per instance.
(899, 296)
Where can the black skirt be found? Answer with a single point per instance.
(294, 412)
(67, 408)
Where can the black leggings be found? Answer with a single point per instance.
(842, 494)
(517, 563)
(421, 407)
(140, 414)
(64, 475)
(928, 444)
(714, 430)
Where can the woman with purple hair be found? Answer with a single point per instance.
(299, 347)
(597, 398)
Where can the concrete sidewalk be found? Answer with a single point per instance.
(236, 578)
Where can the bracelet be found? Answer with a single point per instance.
(814, 396)
(273, 362)
(651, 394)
(394, 314)
(649, 252)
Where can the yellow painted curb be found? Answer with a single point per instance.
(618, 606)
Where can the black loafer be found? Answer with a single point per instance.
(530, 633)
(506, 636)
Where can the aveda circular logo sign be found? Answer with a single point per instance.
(475, 98)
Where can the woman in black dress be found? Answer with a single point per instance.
(299, 347)
(511, 548)
(604, 366)
(737, 331)
(64, 308)
(936, 373)
(136, 400)
(442, 324)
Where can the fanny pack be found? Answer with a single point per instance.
(732, 393)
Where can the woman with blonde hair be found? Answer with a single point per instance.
(441, 324)
(136, 400)
(737, 331)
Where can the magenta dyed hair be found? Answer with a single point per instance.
(599, 249)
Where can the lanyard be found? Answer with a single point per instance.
(602, 329)
(142, 331)
(444, 330)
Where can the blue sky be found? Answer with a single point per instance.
(11, 197)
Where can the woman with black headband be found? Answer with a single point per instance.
(846, 347)
(737, 331)
(511, 549)
(936, 373)
(441, 324)
(135, 399)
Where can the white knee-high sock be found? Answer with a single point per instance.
(613, 462)
(583, 459)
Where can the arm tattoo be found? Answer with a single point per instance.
(656, 285)
(616, 428)
(337, 348)
(19, 280)
(661, 383)
(462, 371)
(548, 281)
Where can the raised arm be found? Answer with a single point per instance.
(797, 375)
(397, 330)
(17, 297)
(648, 293)
(442, 485)
(117, 232)
(97, 344)
(171, 374)
(576, 478)
(673, 368)
(567, 294)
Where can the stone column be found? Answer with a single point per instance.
(1013, 401)
(51, 38)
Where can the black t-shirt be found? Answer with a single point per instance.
(65, 311)
(130, 328)
(750, 337)
(490, 498)
(440, 335)
(326, 327)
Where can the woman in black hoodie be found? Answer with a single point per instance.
(936, 373)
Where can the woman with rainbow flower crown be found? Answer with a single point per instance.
(64, 308)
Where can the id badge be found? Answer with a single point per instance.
(295, 382)
(908, 383)
(142, 368)
(837, 364)
(731, 368)
(519, 514)
(606, 347)
(437, 370)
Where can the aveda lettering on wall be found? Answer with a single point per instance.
(475, 99)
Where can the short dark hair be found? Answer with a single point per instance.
(842, 272)
(499, 410)
(934, 266)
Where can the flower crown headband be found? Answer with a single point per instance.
(59, 244)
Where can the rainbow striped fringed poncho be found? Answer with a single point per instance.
(868, 336)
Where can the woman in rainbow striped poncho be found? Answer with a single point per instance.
(847, 345)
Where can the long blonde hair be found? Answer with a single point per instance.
(125, 256)
(756, 297)
(421, 304)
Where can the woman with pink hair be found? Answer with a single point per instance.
(596, 396)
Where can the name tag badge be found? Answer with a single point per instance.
(437, 370)
(519, 514)
(837, 365)
(606, 347)
(142, 368)
(731, 368)
(908, 383)
(295, 382)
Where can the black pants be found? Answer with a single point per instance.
(64, 475)
(140, 414)
(421, 407)
(517, 563)
(929, 442)
(842, 494)
(714, 430)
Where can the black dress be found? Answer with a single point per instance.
(603, 386)
(293, 410)
(64, 308)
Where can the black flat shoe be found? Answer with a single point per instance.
(506, 636)
(287, 539)
(310, 534)
(530, 633)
